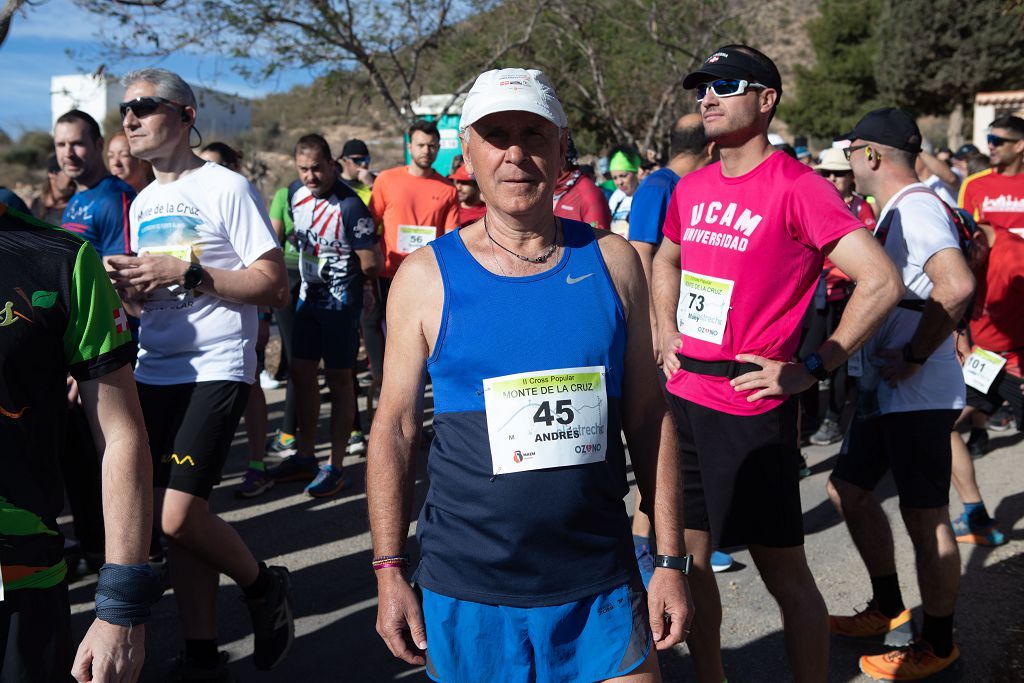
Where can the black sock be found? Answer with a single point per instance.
(978, 434)
(261, 586)
(202, 652)
(938, 632)
(887, 594)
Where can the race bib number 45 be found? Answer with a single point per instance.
(703, 310)
(412, 237)
(551, 418)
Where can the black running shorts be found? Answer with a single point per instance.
(914, 445)
(1006, 387)
(191, 427)
(35, 635)
(740, 474)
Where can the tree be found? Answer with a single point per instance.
(388, 40)
(834, 93)
(936, 54)
(7, 11)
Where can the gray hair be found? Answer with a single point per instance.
(169, 85)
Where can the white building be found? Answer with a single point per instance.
(988, 106)
(221, 116)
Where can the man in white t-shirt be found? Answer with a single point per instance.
(207, 257)
(912, 390)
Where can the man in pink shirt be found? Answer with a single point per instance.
(745, 242)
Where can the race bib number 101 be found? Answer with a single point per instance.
(551, 418)
(703, 310)
(981, 369)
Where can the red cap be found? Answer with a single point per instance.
(462, 174)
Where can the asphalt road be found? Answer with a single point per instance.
(326, 545)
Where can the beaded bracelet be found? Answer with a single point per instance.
(389, 561)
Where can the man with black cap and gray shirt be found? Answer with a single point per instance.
(912, 391)
(745, 240)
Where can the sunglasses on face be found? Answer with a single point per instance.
(144, 106)
(848, 151)
(837, 174)
(360, 160)
(996, 141)
(725, 87)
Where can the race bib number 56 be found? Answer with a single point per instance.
(551, 418)
(412, 237)
(703, 310)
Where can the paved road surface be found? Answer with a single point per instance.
(326, 544)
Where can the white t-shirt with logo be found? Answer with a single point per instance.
(920, 228)
(215, 217)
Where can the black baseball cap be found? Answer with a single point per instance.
(891, 127)
(737, 61)
(355, 148)
(964, 150)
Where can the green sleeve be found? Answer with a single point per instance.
(97, 340)
(279, 210)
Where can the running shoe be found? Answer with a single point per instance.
(645, 561)
(254, 483)
(720, 561)
(330, 481)
(828, 433)
(1001, 419)
(185, 669)
(977, 444)
(268, 382)
(294, 468)
(272, 624)
(871, 623)
(803, 471)
(356, 444)
(911, 663)
(977, 534)
(281, 448)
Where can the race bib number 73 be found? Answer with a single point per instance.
(545, 419)
(703, 310)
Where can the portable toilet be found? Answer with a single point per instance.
(429, 107)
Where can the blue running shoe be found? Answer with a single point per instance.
(978, 534)
(294, 468)
(720, 561)
(645, 561)
(330, 481)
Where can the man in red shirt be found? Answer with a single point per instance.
(471, 204)
(996, 195)
(578, 198)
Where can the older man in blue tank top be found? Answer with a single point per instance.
(536, 334)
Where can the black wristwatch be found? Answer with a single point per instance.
(683, 564)
(909, 357)
(193, 276)
(816, 366)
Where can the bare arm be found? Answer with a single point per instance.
(644, 417)
(264, 282)
(371, 261)
(646, 252)
(940, 169)
(666, 273)
(394, 443)
(879, 288)
(108, 651)
(278, 226)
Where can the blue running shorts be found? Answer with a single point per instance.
(593, 639)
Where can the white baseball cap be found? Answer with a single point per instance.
(513, 89)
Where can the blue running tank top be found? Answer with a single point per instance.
(526, 538)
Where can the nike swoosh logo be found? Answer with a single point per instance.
(570, 280)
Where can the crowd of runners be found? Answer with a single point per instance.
(708, 313)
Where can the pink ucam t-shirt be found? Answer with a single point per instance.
(751, 258)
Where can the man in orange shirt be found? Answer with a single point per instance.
(996, 195)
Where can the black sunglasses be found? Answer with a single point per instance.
(997, 141)
(359, 159)
(144, 106)
(848, 151)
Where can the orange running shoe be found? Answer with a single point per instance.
(911, 663)
(870, 623)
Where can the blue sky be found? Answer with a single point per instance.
(37, 46)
